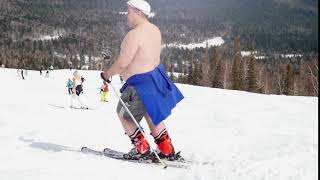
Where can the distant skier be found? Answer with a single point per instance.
(77, 90)
(40, 72)
(47, 74)
(148, 91)
(70, 86)
(22, 74)
(51, 68)
(104, 92)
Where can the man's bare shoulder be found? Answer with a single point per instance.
(156, 28)
(131, 34)
(130, 38)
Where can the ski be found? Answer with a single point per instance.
(76, 108)
(79, 108)
(113, 154)
(56, 106)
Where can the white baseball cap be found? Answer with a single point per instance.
(141, 5)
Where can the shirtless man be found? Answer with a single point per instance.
(140, 55)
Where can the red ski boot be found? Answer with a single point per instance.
(164, 145)
(141, 149)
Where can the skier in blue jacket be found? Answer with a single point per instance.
(70, 86)
(148, 92)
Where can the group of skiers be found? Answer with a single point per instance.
(147, 91)
(24, 72)
(47, 73)
(75, 89)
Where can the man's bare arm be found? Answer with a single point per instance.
(128, 50)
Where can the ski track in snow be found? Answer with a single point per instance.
(242, 136)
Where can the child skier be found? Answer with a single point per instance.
(70, 86)
(104, 92)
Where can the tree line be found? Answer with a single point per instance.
(219, 67)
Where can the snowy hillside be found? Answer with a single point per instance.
(243, 136)
(216, 41)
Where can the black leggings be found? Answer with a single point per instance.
(79, 90)
(70, 90)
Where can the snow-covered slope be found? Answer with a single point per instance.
(244, 136)
(216, 41)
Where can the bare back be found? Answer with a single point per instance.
(148, 39)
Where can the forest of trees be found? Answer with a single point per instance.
(86, 27)
(215, 67)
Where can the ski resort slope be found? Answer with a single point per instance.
(240, 135)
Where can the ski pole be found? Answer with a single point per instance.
(137, 124)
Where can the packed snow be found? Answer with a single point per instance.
(290, 55)
(248, 53)
(216, 41)
(255, 54)
(240, 135)
(48, 37)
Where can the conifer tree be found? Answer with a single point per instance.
(236, 72)
(251, 79)
(218, 75)
(171, 73)
(242, 73)
(217, 70)
(197, 75)
(206, 71)
(289, 81)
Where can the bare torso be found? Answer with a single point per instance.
(147, 57)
